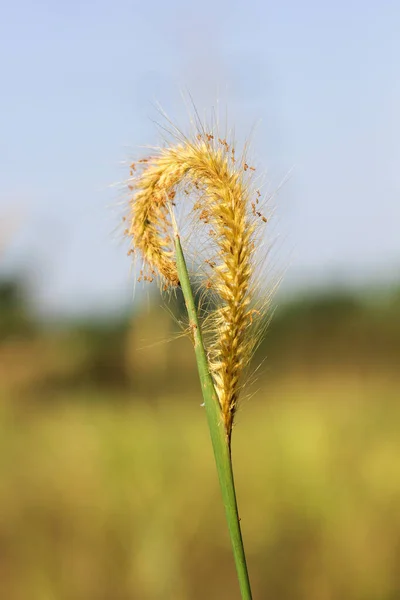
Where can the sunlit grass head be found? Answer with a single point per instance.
(207, 171)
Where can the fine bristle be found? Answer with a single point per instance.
(228, 209)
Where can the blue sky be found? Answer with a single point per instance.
(79, 83)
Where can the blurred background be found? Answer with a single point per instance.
(108, 487)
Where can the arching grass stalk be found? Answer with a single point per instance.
(227, 211)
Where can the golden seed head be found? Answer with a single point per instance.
(223, 203)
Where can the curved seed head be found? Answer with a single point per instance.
(225, 205)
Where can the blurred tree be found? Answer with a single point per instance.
(15, 317)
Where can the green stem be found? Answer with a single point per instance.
(219, 438)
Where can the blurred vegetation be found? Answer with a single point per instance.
(108, 487)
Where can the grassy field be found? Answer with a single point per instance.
(107, 499)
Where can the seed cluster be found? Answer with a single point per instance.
(206, 166)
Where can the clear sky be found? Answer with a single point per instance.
(79, 81)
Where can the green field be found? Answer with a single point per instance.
(108, 489)
(109, 497)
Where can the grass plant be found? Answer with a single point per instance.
(225, 206)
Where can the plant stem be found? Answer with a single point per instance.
(219, 438)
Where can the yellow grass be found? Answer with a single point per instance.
(101, 500)
(207, 168)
